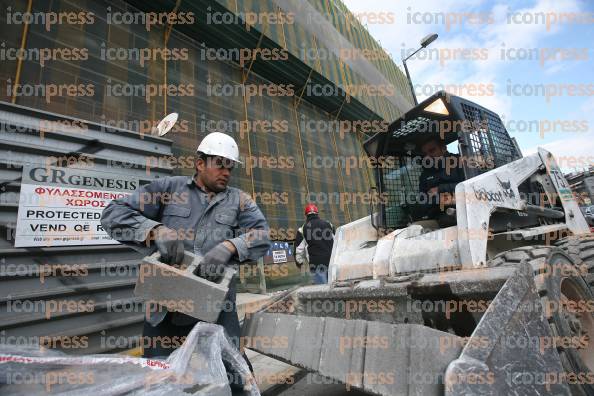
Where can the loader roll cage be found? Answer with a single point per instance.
(483, 144)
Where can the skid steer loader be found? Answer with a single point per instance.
(491, 297)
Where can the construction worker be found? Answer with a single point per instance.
(313, 244)
(200, 214)
(441, 173)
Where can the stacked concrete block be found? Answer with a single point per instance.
(414, 361)
(343, 350)
(175, 288)
(309, 334)
(380, 358)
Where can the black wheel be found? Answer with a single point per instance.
(568, 307)
(581, 250)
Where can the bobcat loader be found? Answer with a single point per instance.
(490, 298)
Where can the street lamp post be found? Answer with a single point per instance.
(424, 43)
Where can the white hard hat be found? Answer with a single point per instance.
(221, 145)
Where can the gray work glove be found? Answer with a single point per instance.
(169, 245)
(214, 262)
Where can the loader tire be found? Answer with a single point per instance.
(581, 249)
(555, 279)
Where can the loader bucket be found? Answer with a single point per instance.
(410, 359)
(512, 350)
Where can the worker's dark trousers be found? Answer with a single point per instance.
(319, 273)
(228, 319)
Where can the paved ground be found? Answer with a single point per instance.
(278, 378)
(270, 372)
(315, 385)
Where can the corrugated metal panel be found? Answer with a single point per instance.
(110, 270)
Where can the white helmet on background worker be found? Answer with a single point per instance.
(220, 145)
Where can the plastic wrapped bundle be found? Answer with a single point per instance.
(194, 368)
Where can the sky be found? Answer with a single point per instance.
(532, 62)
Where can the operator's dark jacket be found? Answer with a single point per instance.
(319, 236)
(180, 204)
(441, 177)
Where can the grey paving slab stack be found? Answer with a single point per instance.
(309, 333)
(381, 358)
(343, 350)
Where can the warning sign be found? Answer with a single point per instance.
(62, 206)
(279, 256)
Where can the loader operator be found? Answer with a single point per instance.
(441, 173)
(200, 214)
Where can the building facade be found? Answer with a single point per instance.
(299, 84)
(582, 184)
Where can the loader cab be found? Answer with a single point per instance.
(482, 144)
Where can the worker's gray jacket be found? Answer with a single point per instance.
(178, 203)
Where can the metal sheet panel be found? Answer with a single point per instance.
(77, 298)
